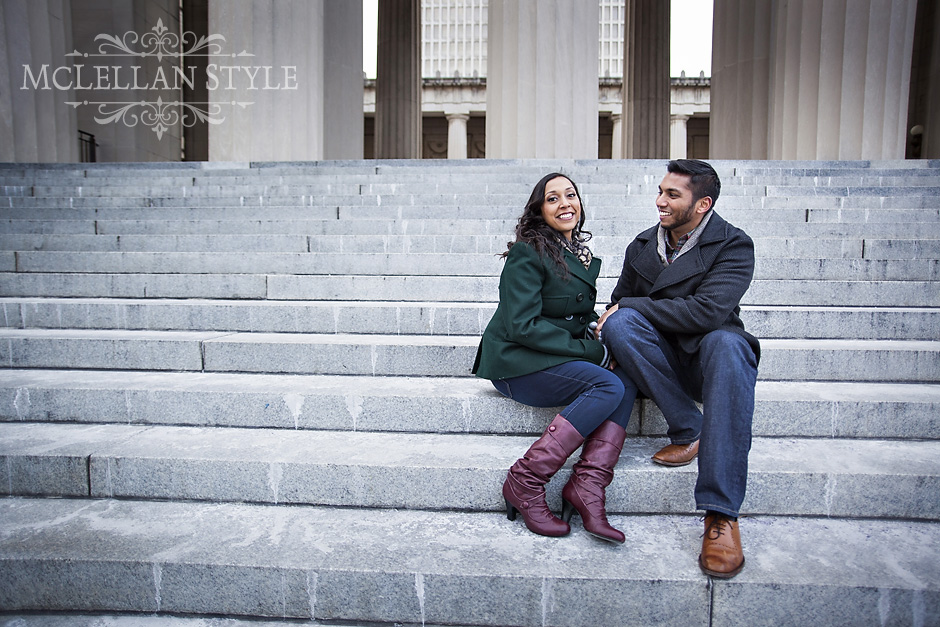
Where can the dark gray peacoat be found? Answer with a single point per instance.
(700, 292)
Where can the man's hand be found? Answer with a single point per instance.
(603, 318)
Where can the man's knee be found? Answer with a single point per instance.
(727, 347)
(626, 323)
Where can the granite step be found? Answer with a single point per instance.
(417, 318)
(427, 404)
(599, 173)
(421, 289)
(738, 209)
(805, 247)
(402, 174)
(419, 264)
(416, 355)
(443, 567)
(98, 619)
(786, 476)
(439, 193)
(457, 228)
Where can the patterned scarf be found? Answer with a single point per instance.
(577, 247)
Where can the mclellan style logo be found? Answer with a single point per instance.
(161, 44)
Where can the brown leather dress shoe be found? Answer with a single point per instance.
(677, 454)
(721, 555)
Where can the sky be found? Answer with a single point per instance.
(691, 37)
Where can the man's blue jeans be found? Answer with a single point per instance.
(721, 376)
(592, 394)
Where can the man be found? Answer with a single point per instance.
(673, 325)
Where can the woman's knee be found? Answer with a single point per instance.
(610, 389)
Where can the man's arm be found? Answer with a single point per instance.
(623, 289)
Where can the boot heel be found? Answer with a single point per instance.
(566, 511)
(510, 510)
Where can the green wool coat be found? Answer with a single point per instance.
(541, 318)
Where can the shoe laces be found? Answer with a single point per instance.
(718, 525)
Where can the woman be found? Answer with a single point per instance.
(538, 350)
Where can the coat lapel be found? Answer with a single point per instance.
(588, 275)
(686, 266)
(647, 263)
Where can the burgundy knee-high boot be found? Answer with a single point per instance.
(524, 488)
(592, 474)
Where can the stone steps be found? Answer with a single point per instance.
(180, 339)
(420, 264)
(449, 567)
(457, 472)
(809, 292)
(455, 228)
(415, 355)
(417, 318)
(464, 190)
(828, 409)
(96, 619)
(481, 205)
(773, 247)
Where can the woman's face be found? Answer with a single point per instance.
(561, 208)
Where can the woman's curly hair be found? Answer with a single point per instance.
(534, 231)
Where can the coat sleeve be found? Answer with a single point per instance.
(624, 287)
(520, 294)
(712, 301)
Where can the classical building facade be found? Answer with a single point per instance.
(282, 80)
(454, 69)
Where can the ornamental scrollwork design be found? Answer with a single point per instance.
(160, 116)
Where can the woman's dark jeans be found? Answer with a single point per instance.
(592, 394)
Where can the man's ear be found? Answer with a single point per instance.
(703, 204)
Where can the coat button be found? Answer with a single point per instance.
(569, 317)
(551, 428)
(582, 319)
(579, 297)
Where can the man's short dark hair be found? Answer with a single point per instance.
(704, 180)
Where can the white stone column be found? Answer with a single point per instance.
(645, 132)
(155, 134)
(398, 81)
(678, 136)
(875, 80)
(616, 140)
(838, 78)
(309, 106)
(35, 123)
(343, 120)
(739, 94)
(541, 92)
(930, 149)
(457, 135)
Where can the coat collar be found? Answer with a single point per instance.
(648, 265)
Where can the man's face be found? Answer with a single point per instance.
(677, 213)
